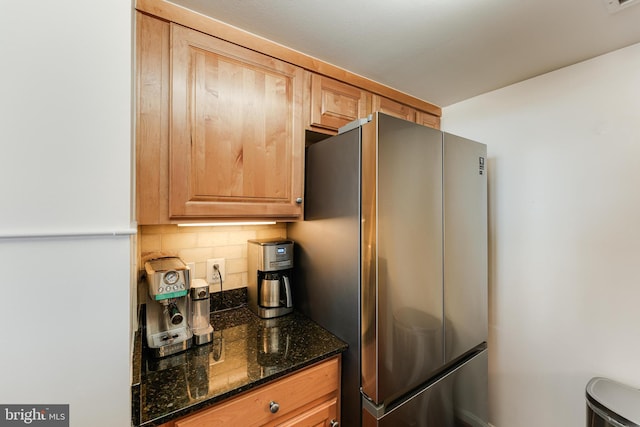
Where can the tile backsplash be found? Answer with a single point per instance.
(197, 244)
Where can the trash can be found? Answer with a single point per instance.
(612, 404)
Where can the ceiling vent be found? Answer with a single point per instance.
(617, 5)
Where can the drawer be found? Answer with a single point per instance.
(320, 415)
(253, 408)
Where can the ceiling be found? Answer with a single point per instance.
(442, 51)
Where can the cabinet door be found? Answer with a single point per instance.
(426, 119)
(322, 415)
(237, 140)
(334, 104)
(393, 108)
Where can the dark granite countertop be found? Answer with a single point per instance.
(175, 386)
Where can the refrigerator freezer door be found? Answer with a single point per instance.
(465, 245)
(458, 399)
(402, 291)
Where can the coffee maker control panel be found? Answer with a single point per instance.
(167, 278)
(273, 255)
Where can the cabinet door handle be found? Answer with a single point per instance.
(273, 407)
(334, 423)
(299, 200)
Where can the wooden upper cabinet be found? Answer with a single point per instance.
(393, 108)
(333, 104)
(152, 120)
(221, 117)
(427, 119)
(396, 109)
(236, 135)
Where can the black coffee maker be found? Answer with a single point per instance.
(270, 263)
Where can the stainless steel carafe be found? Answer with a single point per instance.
(275, 290)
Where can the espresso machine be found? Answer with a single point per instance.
(167, 308)
(270, 263)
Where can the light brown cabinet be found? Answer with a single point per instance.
(396, 109)
(333, 104)
(307, 398)
(152, 120)
(220, 131)
(426, 119)
(236, 134)
(393, 108)
(323, 415)
(221, 117)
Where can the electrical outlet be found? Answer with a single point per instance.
(212, 274)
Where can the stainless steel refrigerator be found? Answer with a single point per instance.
(392, 258)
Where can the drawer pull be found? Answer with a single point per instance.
(274, 407)
(334, 423)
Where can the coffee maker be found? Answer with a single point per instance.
(167, 308)
(270, 263)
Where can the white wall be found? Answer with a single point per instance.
(564, 189)
(65, 150)
(65, 115)
(64, 340)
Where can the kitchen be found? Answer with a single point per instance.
(563, 246)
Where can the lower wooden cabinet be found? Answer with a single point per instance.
(323, 415)
(308, 398)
